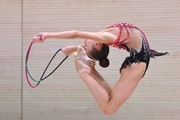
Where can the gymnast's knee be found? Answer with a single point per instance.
(108, 111)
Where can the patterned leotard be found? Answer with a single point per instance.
(143, 55)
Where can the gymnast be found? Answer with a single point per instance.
(96, 48)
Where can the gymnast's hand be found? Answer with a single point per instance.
(39, 38)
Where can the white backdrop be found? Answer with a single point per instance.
(63, 95)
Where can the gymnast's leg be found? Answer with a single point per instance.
(110, 103)
(89, 67)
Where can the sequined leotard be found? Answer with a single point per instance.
(143, 55)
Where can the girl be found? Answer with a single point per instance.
(95, 48)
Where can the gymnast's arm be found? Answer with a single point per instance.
(105, 36)
(70, 49)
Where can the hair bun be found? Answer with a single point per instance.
(104, 62)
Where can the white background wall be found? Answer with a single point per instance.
(63, 96)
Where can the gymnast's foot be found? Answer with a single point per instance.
(82, 62)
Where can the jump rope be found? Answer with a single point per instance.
(28, 74)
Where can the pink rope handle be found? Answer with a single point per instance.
(27, 57)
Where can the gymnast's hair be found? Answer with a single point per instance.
(101, 55)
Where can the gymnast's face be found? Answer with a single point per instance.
(90, 45)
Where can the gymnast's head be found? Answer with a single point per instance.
(97, 51)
